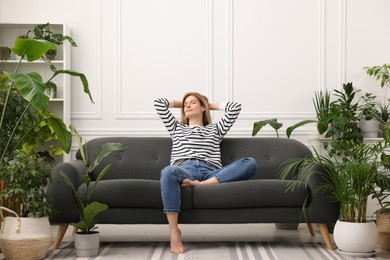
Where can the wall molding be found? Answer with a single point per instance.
(98, 114)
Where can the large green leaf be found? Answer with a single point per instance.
(63, 135)
(90, 212)
(105, 150)
(257, 126)
(32, 49)
(290, 129)
(82, 77)
(31, 87)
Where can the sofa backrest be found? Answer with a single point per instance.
(146, 156)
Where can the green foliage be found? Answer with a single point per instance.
(87, 209)
(26, 179)
(349, 180)
(257, 126)
(368, 107)
(26, 124)
(43, 32)
(380, 73)
(25, 116)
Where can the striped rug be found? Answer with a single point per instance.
(208, 250)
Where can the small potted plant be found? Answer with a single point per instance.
(43, 32)
(368, 115)
(87, 238)
(5, 53)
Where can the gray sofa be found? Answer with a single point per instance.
(132, 188)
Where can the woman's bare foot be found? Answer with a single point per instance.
(176, 243)
(189, 183)
(192, 183)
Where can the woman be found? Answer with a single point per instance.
(195, 157)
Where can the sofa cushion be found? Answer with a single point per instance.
(248, 194)
(137, 193)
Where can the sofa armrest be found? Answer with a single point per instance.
(65, 208)
(321, 206)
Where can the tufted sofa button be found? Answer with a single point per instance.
(268, 158)
(155, 157)
(119, 157)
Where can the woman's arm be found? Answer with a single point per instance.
(214, 106)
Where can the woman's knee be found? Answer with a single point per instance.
(250, 164)
(168, 172)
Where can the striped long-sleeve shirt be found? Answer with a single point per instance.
(196, 142)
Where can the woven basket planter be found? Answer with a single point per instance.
(383, 227)
(25, 238)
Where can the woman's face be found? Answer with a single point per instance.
(192, 107)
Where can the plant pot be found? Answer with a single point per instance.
(357, 239)
(5, 53)
(382, 127)
(369, 128)
(87, 245)
(50, 55)
(25, 238)
(383, 226)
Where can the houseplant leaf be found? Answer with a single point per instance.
(31, 87)
(257, 126)
(290, 129)
(82, 77)
(32, 49)
(63, 135)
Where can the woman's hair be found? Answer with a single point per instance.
(206, 117)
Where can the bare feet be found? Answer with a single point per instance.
(176, 243)
(189, 183)
(192, 183)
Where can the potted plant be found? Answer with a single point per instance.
(26, 178)
(87, 238)
(384, 116)
(43, 32)
(24, 111)
(5, 53)
(382, 195)
(368, 115)
(351, 180)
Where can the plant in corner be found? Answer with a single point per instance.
(89, 209)
(25, 110)
(350, 179)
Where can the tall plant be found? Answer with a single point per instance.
(89, 209)
(30, 87)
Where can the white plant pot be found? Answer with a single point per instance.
(87, 245)
(25, 238)
(358, 239)
(369, 128)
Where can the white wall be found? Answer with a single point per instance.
(269, 55)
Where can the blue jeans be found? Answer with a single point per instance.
(172, 176)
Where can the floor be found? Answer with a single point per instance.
(231, 232)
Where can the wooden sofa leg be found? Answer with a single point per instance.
(60, 234)
(325, 235)
(311, 229)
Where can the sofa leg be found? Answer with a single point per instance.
(325, 235)
(311, 229)
(60, 235)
